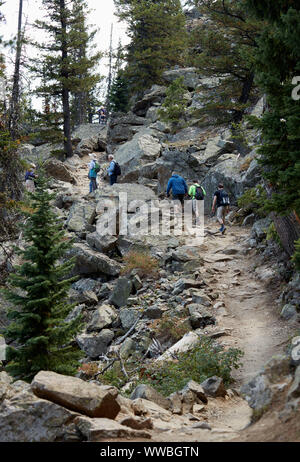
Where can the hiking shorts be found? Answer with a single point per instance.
(221, 212)
(178, 197)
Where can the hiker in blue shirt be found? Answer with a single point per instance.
(92, 175)
(178, 186)
(112, 176)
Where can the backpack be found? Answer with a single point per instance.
(117, 169)
(224, 198)
(199, 196)
(97, 167)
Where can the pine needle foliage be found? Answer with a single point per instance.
(37, 291)
(158, 39)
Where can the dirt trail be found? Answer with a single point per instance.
(250, 316)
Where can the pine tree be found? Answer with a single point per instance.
(64, 64)
(277, 63)
(38, 294)
(222, 47)
(83, 77)
(175, 103)
(158, 39)
(119, 93)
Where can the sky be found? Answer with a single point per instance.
(101, 16)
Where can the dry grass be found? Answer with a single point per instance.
(145, 265)
(244, 167)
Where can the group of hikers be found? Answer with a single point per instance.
(196, 192)
(113, 171)
(176, 184)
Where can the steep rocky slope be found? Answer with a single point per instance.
(232, 289)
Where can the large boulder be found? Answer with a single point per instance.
(227, 171)
(190, 76)
(153, 96)
(27, 418)
(80, 216)
(88, 261)
(89, 138)
(123, 127)
(95, 344)
(142, 149)
(186, 343)
(59, 170)
(130, 191)
(76, 394)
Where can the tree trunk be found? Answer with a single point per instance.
(246, 90)
(288, 229)
(65, 74)
(14, 112)
(109, 79)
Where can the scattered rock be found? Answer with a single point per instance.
(128, 317)
(90, 262)
(137, 423)
(197, 389)
(103, 316)
(95, 345)
(121, 292)
(150, 394)
(288, 312)
(214, 386)
(294, 391)
(101, 429)
(203, 425)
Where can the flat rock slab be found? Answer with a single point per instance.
(76, 394)
(99, 429)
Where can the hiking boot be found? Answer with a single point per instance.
(224, 230)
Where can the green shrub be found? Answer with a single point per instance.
(253, 200)
(272, 234)
(203, 361)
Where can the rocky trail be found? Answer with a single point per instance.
(232, 288)
(246, 313)
(247, 318)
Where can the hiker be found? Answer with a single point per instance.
(197, 193)
(102, 115)
(178, 186)
(94, 168)
(113, 170)
(30, 176)
(221, 200)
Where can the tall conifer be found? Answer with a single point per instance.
(158, 39)
(38, 290)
